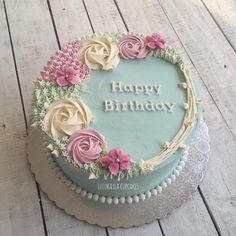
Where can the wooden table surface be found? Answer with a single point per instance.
(203, 31)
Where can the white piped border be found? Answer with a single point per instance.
(116, 200)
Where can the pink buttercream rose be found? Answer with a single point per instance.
(116, 161)
(155, 41)
(132, 46)
(85, 146)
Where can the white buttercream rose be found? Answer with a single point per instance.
(66, 116)
(99, 53)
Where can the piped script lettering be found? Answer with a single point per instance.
(110, 105)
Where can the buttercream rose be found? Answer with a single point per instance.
(85, 146)
(99, 53)
(66, 116)
(132, 46)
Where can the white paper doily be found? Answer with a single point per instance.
(121, 215)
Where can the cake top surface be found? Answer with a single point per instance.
(116, 104)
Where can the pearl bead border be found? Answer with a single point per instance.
(118, 200)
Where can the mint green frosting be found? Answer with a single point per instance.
(139, 133)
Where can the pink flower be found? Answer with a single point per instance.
(132, 46)
(116, 161)
(67, 76)
(155, 41)
(85, 146)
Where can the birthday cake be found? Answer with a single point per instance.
(117, 112)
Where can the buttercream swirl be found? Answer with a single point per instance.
(99, 53)
(133, 46)
(85, 146)
(66, 116)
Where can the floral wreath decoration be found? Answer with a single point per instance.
(64, 118)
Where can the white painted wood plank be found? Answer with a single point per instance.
(104, 16)
(34, 42)
(210, 52)
(184, 225)
(224, 13)
(59, 223)
(71, 19)
(20, 212)
(148, 230)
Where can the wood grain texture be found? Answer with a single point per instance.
(211, 54)
(71, 19)
(20, 212)
(34, 42)
(182, 223)
(148, 230)
(224, 14)
(61, 224)
(140, 20)
(217, 66)
(104, 16)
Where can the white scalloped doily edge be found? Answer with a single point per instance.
(156, 207)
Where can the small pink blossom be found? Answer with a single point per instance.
(116, 161)
(67, 76)
(155, 41)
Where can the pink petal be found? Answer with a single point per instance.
(70, 71)
(149, 39)
(62, 81)
(106, 160)
(161, 43)
(124, 157)
(60, 73)
(114, 168)
(73, 79)
(151, 45)
(124, 165)
(114, 152)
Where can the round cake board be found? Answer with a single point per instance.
(121, 215)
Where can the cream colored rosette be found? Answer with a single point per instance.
(146, 166)
(99, 53)
(66, 116)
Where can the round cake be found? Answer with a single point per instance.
(117, 112)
